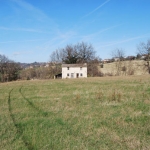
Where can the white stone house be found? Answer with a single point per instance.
(74, 71)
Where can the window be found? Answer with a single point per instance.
(81, 74)
(80, 68)
(68, 74)
(67, 68)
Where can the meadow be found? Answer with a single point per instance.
(105, 113)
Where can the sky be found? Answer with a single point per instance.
(30, 30)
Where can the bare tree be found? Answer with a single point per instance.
(78, 53)
(85, 52)
(69, 55)
(118, 53)
(56, 56)
(144, 50)
(93, 68)
(13, 71)
(9, 70)
(118, 56)
(3, 67)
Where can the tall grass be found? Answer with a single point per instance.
(93, 113)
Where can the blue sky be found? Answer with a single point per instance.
(31, 29)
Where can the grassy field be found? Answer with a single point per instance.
(108, 113)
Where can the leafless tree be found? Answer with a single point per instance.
(93, 69)
(65, 55)
(118, 53)
(9, 70)
(144, 50)
(56, 56)
(85, 52)
(118, 56)
(69, 55)
(78, 53)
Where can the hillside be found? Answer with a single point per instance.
(134, 67)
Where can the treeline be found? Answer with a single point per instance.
(11, 71)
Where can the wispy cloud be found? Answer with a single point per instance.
(36, 14)
(22, 53)
(65, 37)
(35, 40)
(35, 11)
(31, 12)
(89, 37)
(58, 40)
(97, 8)
(125, 40)
(21, 29)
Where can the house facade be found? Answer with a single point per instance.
(74, 71)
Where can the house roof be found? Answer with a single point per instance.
(74, 65)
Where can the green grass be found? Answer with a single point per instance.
(108, 113)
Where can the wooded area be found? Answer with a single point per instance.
(9, 70)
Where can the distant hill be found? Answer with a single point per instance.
(34, 64)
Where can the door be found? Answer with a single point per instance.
(72, 75)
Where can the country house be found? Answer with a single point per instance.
(74, 70)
